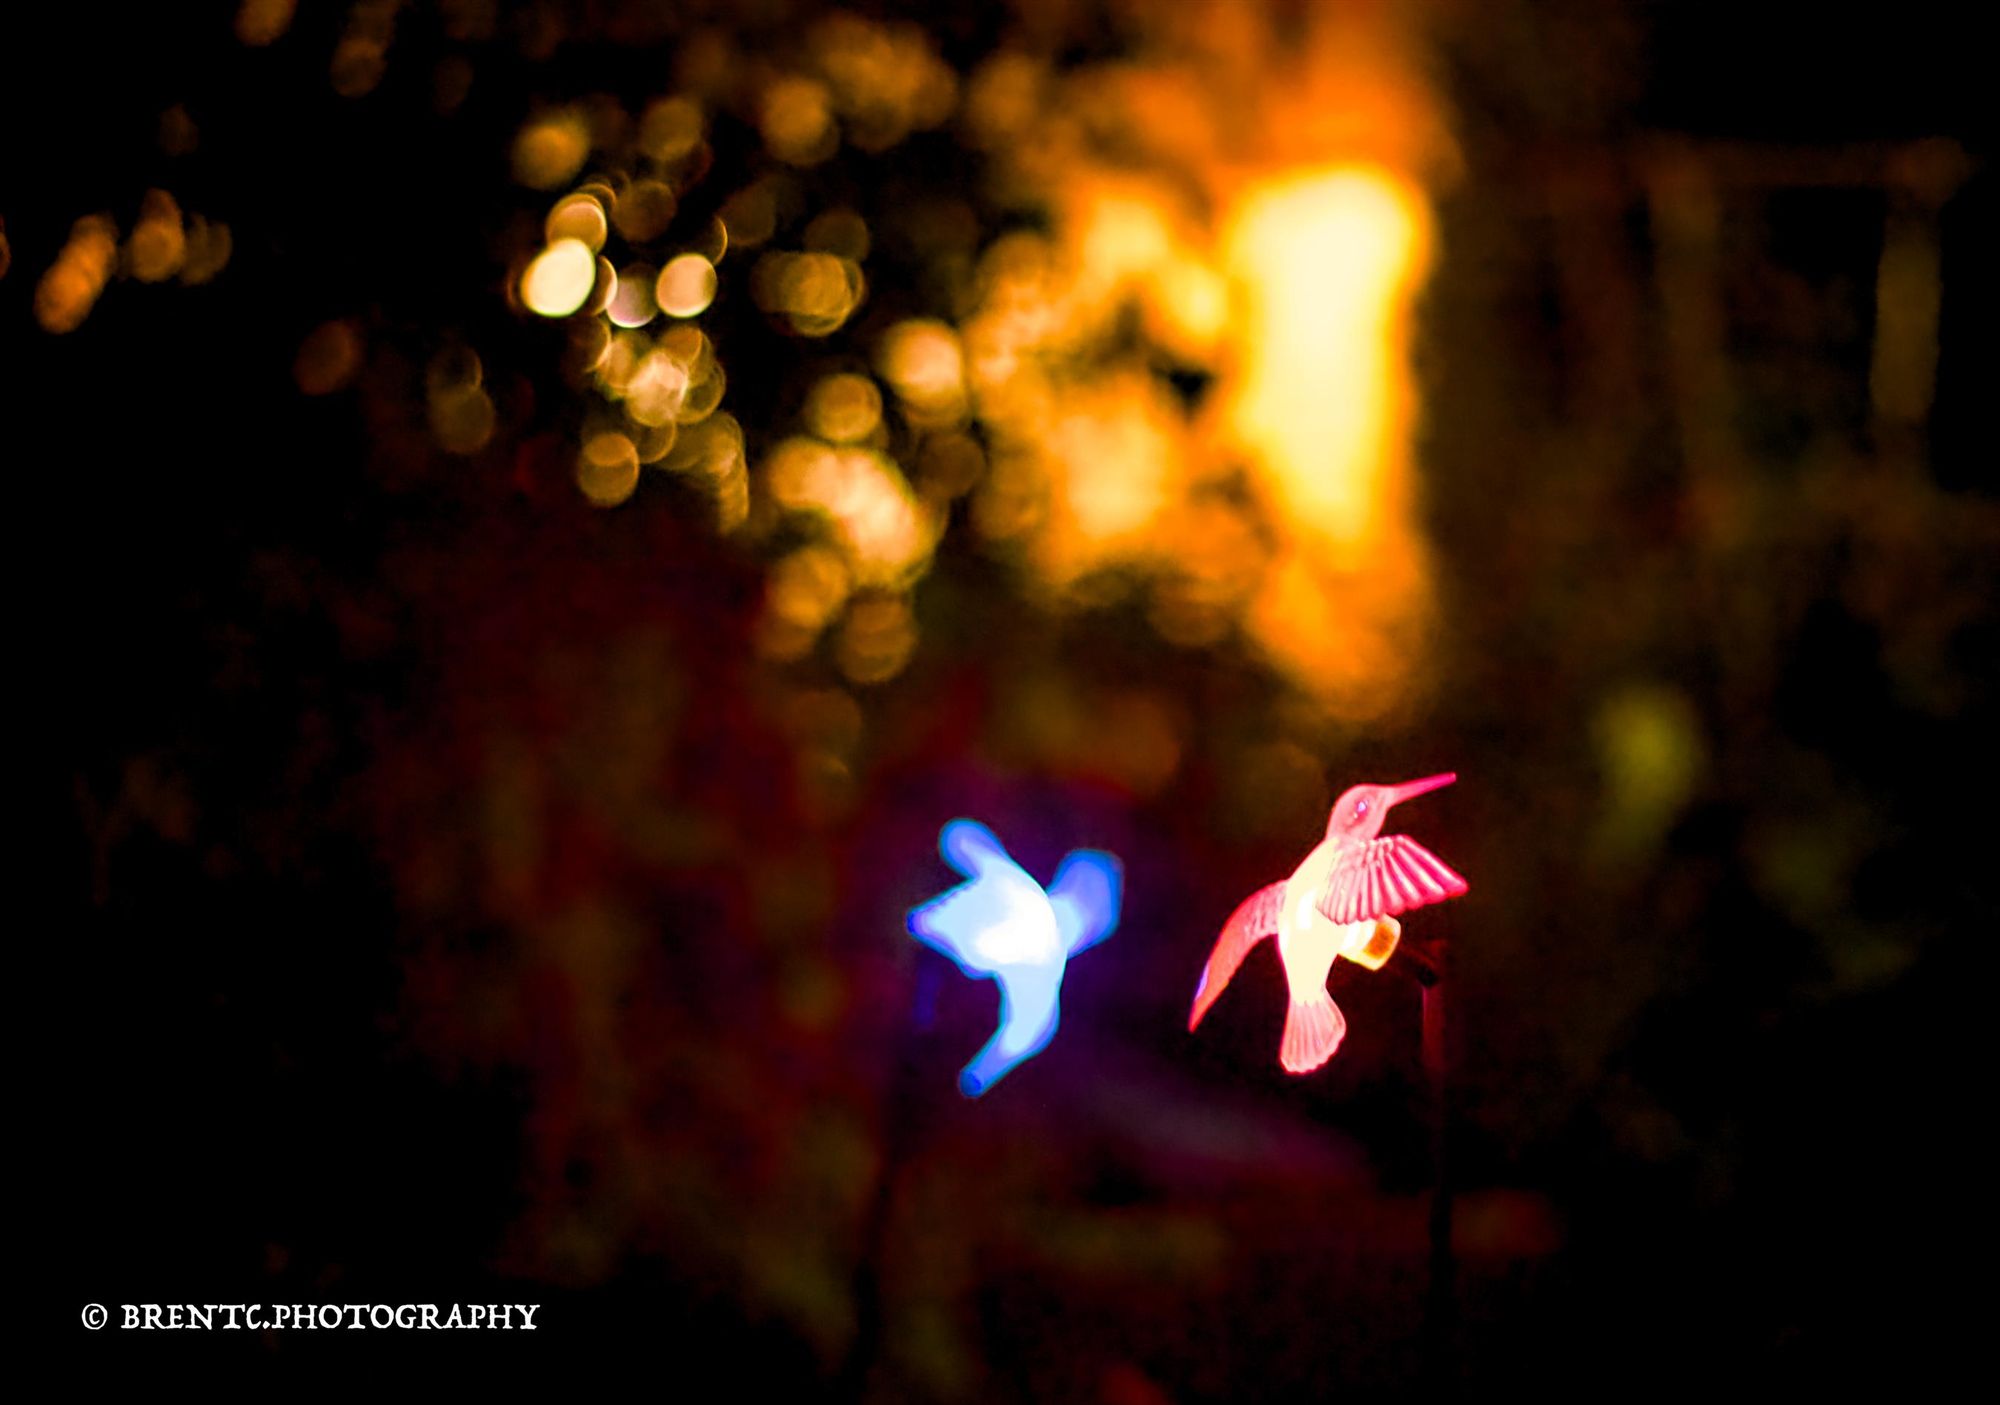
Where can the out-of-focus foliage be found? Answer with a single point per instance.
(1151, 348)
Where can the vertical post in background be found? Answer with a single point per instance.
(1428, 967)
(1441, 1301)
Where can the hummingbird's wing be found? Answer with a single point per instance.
(1255, 918)
(972, 848)
(1086, 895)
(1385, 876)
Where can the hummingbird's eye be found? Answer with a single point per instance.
(1360, 808)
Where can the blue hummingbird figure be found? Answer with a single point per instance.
(1000, 923)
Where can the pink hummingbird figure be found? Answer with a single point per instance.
(1342, 900)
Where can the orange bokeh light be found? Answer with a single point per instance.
(73, 282)
(686, 286)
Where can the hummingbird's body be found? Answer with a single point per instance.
(1309, 940)
(1340, 901)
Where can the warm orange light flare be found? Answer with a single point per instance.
(1325, 264)
(1184, 368)
(1239, 209)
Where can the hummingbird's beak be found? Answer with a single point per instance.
(1410, 790)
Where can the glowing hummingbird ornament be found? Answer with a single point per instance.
(1342, 900)
(1000, 924)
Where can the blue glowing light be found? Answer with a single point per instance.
(1000, 924)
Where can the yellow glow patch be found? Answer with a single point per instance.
(1326, 263)
(560, 279)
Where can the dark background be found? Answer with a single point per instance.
(450, 904)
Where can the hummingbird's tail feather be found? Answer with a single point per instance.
(1029, 1014)
(1255, 918)
(988, 1068)
(1314, 1028)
